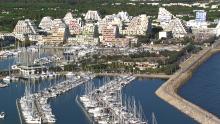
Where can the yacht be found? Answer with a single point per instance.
(2, 115)
(14, 67)
(69, 74)
(3, 85)
(7, 79)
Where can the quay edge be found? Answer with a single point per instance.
(169, 90)
(153, 76)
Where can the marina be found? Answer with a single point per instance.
(34, 107)
(35, 103)
(106, 105)
(109, 62)
(67, 110)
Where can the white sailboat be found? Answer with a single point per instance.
(27, 103)
(7, 79)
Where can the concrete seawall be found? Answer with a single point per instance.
(160, 76)
(169, 90)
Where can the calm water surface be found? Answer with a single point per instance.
(203, 88)
(67, 110)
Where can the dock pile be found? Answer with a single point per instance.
(34, 107)
(105, 105)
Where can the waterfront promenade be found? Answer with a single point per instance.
(161, 76)
(169, 90)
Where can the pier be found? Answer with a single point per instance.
(105, 104)
(169, 90)
(37, 102)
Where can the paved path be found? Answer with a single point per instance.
(161, 76)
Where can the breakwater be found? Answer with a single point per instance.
(169, 90)
(154, 76)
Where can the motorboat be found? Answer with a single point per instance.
(69, 74)
(3, 85)
(2, 115)
(7, 79)
(14, 67)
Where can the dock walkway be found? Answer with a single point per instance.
(161, 76)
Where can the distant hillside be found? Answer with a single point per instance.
(44, 1)
(78, 1)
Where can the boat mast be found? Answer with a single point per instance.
(154, 120)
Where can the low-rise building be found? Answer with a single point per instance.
(141, 65)
(6, 39)
(204, 35)
(146, 65)
(26, 71)
(83, 40)
(165, 34)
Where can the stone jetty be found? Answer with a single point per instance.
(169, 90)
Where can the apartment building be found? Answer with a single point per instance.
(58, 33)
(24, 28)
(139, 25)
(46, 23)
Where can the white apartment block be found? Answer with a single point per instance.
(164, 17)
(110, 37)
(75, 26)
(139, 25)
(92, 16)
(68, 17)
(124, 16)
(109, 33)
(24, 28)
(178, 28)
(89, 29)
(46, 23)
(110, 20)
(58, 33)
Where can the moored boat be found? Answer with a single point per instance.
(2, 115)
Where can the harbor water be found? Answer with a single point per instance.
(203, 88)
(66, 109)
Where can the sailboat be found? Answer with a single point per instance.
(27, 103)
(7, 79)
